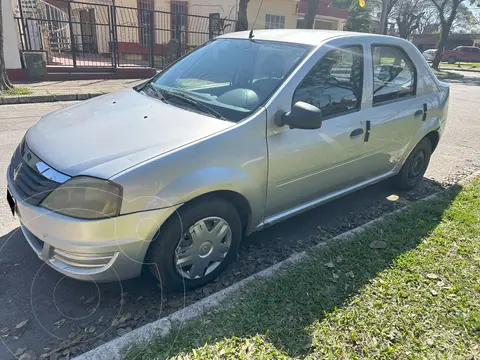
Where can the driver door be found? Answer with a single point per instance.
(305, 165)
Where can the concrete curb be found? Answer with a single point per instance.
(113, 349)
(28, 99)
(459, 69)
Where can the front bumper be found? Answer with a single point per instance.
(94, 250)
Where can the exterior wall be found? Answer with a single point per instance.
(10, 40)
(285, 8)
(337, 24)
(194, 33)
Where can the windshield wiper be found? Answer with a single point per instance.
(157, 92)
(194, 102)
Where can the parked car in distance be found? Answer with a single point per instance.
(462, 54)
(429, 54)
(238, 135)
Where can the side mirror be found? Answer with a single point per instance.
(302, 116)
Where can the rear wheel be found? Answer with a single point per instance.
(194, 246)
(415, 166)
(452, 60)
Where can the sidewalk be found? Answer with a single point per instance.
(47, 91)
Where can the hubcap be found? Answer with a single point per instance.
(203, 247)
(417, 166)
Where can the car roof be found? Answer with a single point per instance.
(299, 36)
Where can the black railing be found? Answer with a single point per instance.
(86, 34)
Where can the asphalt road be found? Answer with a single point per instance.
(70, 316)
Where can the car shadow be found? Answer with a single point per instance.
(467, 80)
(65, 313)
(322, 300)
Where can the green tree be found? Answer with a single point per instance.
(407, 15)
(360, 19)
(447, 12)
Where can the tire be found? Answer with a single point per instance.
(415, 166)
(452, 60)
(162, 255)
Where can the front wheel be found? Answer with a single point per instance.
(195, 245)
(452, 60)
(415, 166)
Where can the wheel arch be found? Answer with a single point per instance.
(434, 138)
(237, 200)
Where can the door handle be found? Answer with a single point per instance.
(418, 113)
(356, 132)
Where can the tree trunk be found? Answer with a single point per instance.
(382, 28)
(441, 45)
(4, 81)
(242, 18)
(310, 14)
(446, 27)
(402, 24)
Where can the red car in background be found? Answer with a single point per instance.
(462, 54)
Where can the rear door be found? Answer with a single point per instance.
(465, 54)
(396, 110)
(475, 54)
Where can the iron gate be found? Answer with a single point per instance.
(103, 35)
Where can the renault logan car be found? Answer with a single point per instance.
(238, 135)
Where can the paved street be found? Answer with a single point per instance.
(71, 316)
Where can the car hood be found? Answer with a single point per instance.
(105, 135)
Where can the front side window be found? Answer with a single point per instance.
(233, 76)
(394, 75)
(274, 21)
(335, 83)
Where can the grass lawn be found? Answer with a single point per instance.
(16, 91)
(409, 288)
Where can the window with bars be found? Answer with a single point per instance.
(146, 21)
(274, 21)
(178, 20)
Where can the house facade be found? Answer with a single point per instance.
(114, 34)
(327, 16)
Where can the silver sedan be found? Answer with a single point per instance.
(240, 134)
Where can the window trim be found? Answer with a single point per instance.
(415, 80)
(280, 17)
(362, 66)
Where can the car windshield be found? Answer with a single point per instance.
(228, 78)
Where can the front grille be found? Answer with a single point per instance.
(31, 186)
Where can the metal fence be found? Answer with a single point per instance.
(103, 35)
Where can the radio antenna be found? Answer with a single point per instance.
(250, 36)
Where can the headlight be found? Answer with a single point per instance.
(85, 198)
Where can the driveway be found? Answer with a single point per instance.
(45, 313)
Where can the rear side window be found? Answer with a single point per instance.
(335, 82)
(394, 75)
